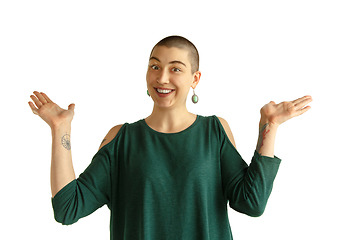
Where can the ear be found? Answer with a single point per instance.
(196, 79)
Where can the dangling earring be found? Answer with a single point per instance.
(148, 93)
(194, 98)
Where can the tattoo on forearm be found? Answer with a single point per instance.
(262, 136)
(65, 141)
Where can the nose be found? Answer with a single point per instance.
(163, 77)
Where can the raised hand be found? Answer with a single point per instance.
(49, 111)
(279, 113)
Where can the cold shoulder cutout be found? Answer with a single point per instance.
(227, 129)
(110, 135)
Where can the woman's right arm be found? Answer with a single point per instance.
(62, 170)
(59, 120)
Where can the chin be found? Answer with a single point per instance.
(164, 104)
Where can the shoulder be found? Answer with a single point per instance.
(110, 135)
(227, 129)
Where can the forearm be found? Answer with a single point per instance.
(62, 171)
(266, 140)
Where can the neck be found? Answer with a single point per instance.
(170, 120)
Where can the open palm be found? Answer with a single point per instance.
(49, 111)
(280, 113)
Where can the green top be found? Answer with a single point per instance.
(169, 185)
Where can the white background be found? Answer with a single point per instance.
(95, 53)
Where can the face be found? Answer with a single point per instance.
(169, 76)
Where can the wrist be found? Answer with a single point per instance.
(269, 124)
(59, 128)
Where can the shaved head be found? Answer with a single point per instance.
(182, 43)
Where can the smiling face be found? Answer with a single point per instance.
(169, 76)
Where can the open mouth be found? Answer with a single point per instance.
(164, 91)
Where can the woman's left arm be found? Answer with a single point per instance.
(272, 115)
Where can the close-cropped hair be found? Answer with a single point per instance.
(185, 44)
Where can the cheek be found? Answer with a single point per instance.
(182, 83)
(150, 76)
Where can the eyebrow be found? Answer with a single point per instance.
(172, 62)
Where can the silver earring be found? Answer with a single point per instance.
(194, 98)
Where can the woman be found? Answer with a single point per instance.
(171, 175)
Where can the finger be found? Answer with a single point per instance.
(36, 101)
(297, 101)
(46, 97)
(71, 107)
(303, 103)
(303, 110)
(40, 97)
(33, 108)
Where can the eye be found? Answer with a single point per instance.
(154, 67)
(175, 69)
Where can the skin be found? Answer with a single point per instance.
(169, 68)
(59, 120)
(272, 116)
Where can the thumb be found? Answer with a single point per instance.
(71, 107)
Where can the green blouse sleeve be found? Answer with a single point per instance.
(84, 195)
(246, 187)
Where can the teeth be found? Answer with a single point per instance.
(163, 91)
